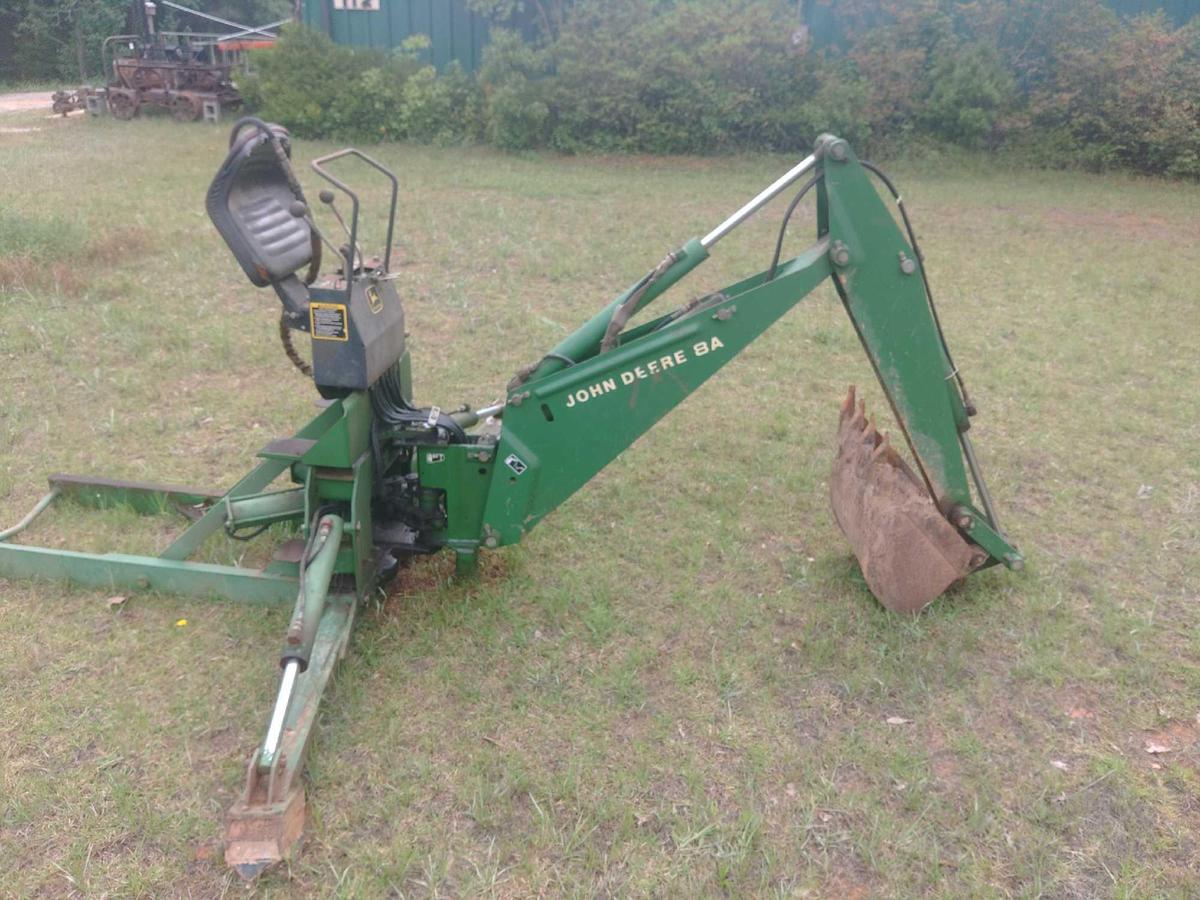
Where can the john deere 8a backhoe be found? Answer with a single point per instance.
(376, 480)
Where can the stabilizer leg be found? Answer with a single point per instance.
(264, 826)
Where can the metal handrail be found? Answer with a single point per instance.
(317, 165)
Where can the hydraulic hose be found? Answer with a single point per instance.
(783, 227)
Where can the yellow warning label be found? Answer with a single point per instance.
(328, 322)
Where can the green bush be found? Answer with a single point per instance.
(969, 93)
(1066, 81)
(695, 76)
(319, 89)
(441, 109)
(1132, 102)
(513, 78)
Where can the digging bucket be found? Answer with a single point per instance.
(908, 551)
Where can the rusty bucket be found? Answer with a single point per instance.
(908, 551)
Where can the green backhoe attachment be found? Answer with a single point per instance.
(377, 480)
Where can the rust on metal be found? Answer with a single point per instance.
(67, 101)
(265, 825)
(908, 551)
(180, 80)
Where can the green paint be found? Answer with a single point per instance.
(576, 421)
(455, 32)
(118, 572)
(576, 411)
(310, 600)
(565, 423)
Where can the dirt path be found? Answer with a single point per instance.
(24, 102)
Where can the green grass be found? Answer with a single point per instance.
(678, 685)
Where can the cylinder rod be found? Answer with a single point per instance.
(762, 199)
(487, 412)
(287, 684)
(310, 607)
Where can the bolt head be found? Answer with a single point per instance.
(491, 542)
(908, 266)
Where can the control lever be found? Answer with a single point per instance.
(328, 198)
(299, 210)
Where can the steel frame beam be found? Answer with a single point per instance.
(123, 572)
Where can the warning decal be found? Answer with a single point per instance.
(328, 321)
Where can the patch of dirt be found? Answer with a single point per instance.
(1175, 744)
(422, 576)
(847, 886)
(69, 277)
(1124, 225)
(1079, 707)
(942, 760)
(224, 742)
(24, 273)
(1117, 224)
(119, 245)
(25, 101)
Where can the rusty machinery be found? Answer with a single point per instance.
(186, 74)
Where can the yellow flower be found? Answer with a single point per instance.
(181, 623)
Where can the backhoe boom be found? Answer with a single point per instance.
(582, 405)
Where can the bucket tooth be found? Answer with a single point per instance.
(871, 433)
(908, 551)
(848, 403)
(883, 450)
(853, 410)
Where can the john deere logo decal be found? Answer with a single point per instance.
(647, 369)
(374, 300)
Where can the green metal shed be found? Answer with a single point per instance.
(454, 32)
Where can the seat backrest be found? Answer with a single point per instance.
(252, 202)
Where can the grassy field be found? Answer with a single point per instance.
(678, 685)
